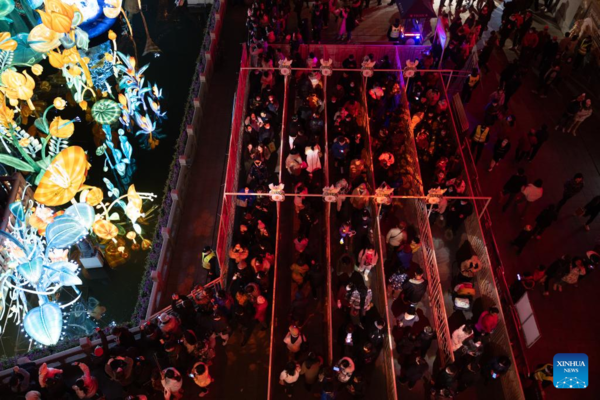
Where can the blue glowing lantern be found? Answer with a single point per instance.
(64, 232)
(32, 270)
(64, 273)
(44, 323)
(83, 212)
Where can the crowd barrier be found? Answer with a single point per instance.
(510, 382)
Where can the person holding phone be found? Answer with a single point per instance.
(344, 369)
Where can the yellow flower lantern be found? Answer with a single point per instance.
(63, 178)
(17, 86)
(62, 128)
(59, 103)
(42, 39)
(58, 16)
(6, 43)
(93, 196)
(37, 69)
(105, 229)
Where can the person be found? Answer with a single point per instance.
(86, 386)
(289, 376)
(524, 236)
(543, 375)
(567, 116)
(495, 368)
(46, 373)
(544, 220)
(210, 263)
(460, 335)
(585, 46)
(415, 288)
(120, 369)
(396, 237)
(172, 383)
(446, 378)
(501, 148)
(556, 269)
(577, 269)
(407, 319)
(592, 209)
(344, 369)
(512, 187)
(425, 339)
(294, 340)
(414, 372)
(357, 387)
(470, 84)
(201, 378)
(487, 322)
(376, 333)
(457, 213)
(468, 377)
(512, 85)
(571, 188)
(488, 49)
(394, 31)
(20, 380)
(479, 137)
(546, 80)
(531, 193)
(311, 368)
(541, 135)
(580, 116)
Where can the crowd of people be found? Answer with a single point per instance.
(171, 357)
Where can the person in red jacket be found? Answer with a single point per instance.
(487, 322)
(528, 46)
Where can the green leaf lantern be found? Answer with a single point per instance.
(106, 111)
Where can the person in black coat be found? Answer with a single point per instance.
(425, 339)
(501, 149)
(512, 187)
(415, 288)
(414, 371)
(468, 377)
(184, 309)
(545, 218)
(446, 378)
(457, 213)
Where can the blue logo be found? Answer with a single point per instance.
(570, 371)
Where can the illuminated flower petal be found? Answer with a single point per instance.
(6, 43)
(60, 103)
(44, 323)
(62, 128)
(42, 39)
(63, 178)
(105, 229)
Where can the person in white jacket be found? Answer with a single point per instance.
(531, 193)
(172, 384)
(460, 335)
(86, 386)
(201, 377)
(294, 340)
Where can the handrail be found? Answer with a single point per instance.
(83, 350)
